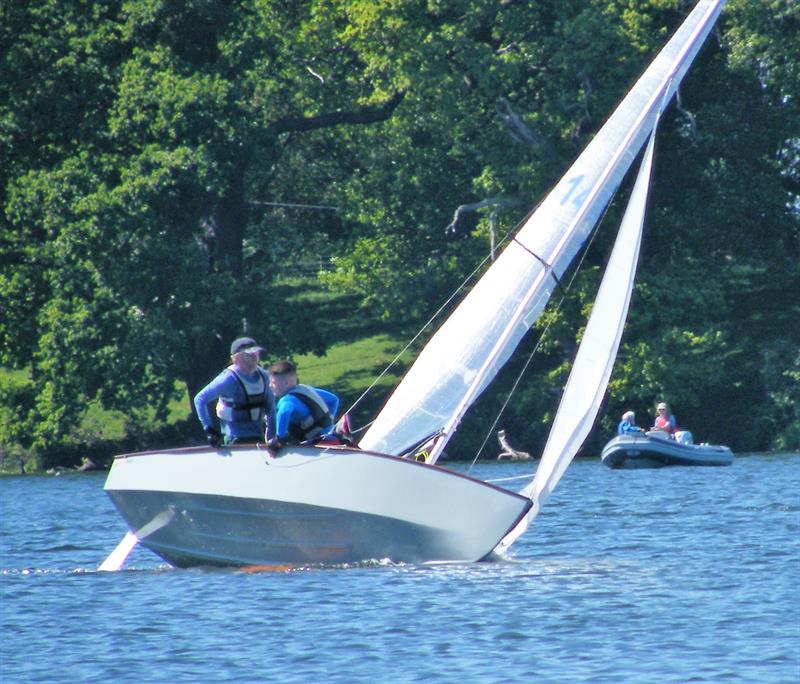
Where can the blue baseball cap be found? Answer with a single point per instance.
(245, 344)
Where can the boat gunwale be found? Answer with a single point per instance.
(666, 443)
(336, 448)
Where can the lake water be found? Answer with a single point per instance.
(675, 575)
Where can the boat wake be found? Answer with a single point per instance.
(62, 572)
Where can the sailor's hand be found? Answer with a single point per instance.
(213, 437)
(274, 445)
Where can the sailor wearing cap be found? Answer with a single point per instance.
(245, 404)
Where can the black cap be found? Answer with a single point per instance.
(245, 344)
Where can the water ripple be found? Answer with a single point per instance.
(684, 575)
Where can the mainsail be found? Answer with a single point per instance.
(473, 344)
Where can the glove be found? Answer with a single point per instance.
(213, 437)
(274, 445)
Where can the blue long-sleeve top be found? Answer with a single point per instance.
(626, 427)
(291, 410)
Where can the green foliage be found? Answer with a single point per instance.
(15, 437)
(144, 146)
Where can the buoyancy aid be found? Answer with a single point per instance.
(320, 418)
(255, 398)
(664, 424)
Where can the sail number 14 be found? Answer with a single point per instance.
(575, 195)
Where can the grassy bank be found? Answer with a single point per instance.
(348, 368)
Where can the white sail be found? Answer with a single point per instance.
(479, 337)
(596, 354)
(598, 349)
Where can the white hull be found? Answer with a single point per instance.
(641, 451)
(238, 506)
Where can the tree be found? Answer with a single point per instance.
(127, 218)
(141, 141)
(526, 86)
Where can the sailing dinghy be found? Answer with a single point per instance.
(239, 506)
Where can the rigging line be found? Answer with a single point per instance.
(515, 228)
(542, 262)
(428, 323)
(542, 336)
(513, 389)
(355, 431)
(526, 476)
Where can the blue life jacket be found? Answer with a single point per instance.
(318, 421)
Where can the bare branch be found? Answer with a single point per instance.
(521, 132)
(477, 206)
(315, 74)
(509, 453)
(517, 128)
(689, 116)
(365, 115)
(507, 48)
(582, 104)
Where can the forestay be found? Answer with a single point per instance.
(473, 344)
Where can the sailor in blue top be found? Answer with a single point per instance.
(628, 424)
(245, 404)
(303, 412)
